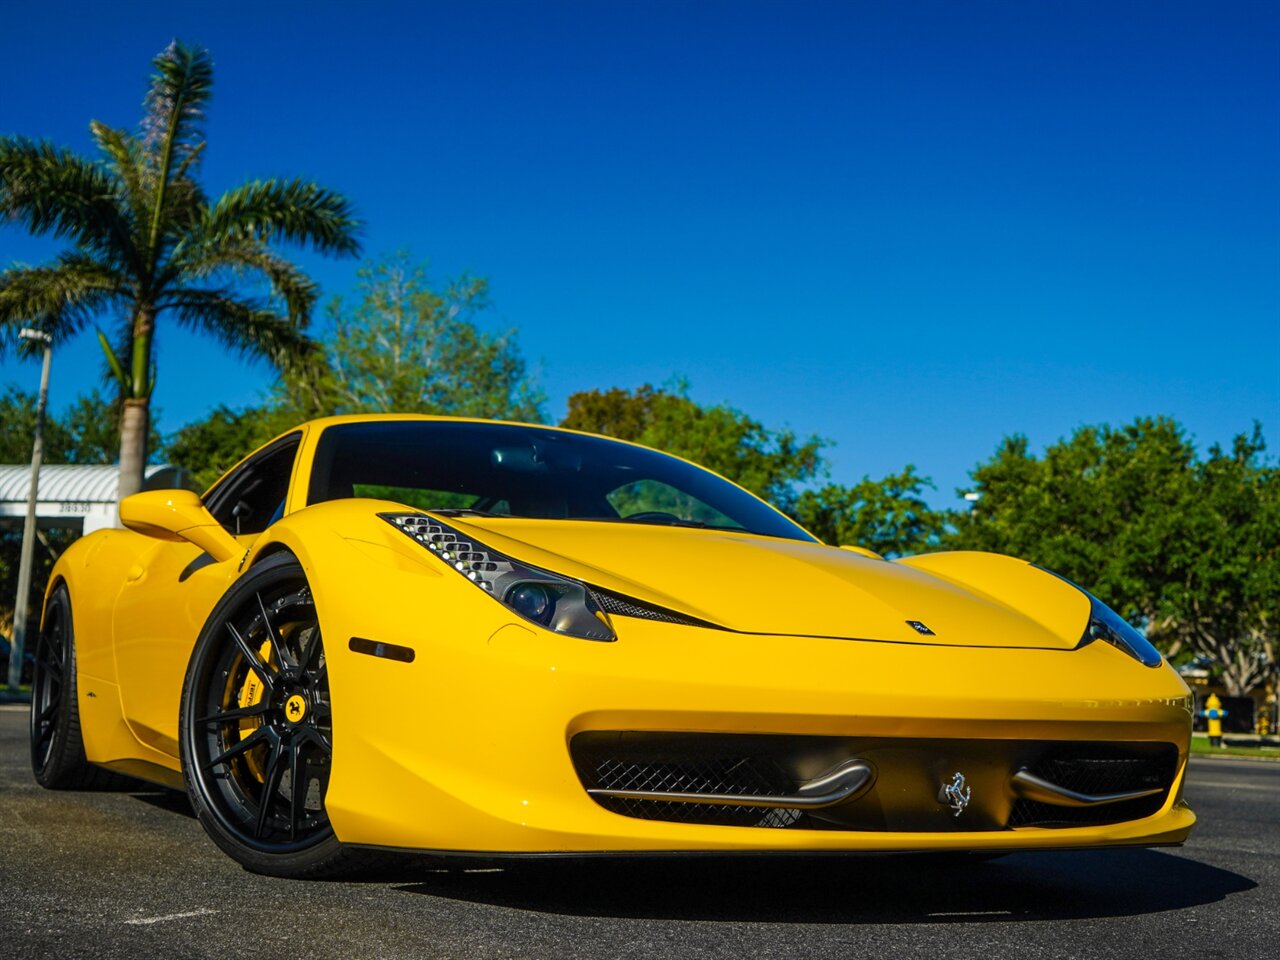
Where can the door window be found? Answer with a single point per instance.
(251, 497)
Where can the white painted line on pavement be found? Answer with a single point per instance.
(147, 921)
(971, 913)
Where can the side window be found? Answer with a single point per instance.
(251, 498)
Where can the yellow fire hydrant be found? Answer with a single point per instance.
(1214, 713)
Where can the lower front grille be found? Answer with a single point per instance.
(903, 794)
(1099, 772)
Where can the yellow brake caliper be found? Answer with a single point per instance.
(250, 694)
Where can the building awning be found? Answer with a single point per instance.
(73, 494)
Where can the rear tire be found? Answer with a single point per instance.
(57, 747)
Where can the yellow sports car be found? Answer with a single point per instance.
(460, 636)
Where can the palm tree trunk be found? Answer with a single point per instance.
(135, 421)
(135, 416)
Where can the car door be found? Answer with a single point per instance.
(169, 593)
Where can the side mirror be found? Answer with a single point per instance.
(178, 515)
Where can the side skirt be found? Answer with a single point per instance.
(150, 772)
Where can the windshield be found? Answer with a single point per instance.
(506, 470)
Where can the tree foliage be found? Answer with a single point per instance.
(406, 347)
(889, 516)
(208, 448)
(147, 244)
(402, 346)
(1096, 508)
(85, 432)
(1222, 596)
(770, 463)
(1182, 546)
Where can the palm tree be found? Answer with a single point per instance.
(147, 245)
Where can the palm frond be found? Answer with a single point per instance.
(116, 369)
(180, 89)
(295, 211)
(185, 210)
(50, 189)
(248, 326)
(59, 297)
(120, 343)
(124, 157)
(209, 260)
(172, 135)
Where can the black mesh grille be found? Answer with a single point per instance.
(741, 776)
(618, 605)
(1096, 775)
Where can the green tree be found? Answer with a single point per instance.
(407, 347)
(84, 433)
(402, 347)
(889, 516)
(770, 463)
(1222, 595)
(1184, 547)
(208, 448)
(93, 421)
(18, 428)
(147, 244)
(1097, 508)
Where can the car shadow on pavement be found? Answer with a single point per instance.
(170, 800)
(1039, 886)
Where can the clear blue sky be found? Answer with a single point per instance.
(912, 228)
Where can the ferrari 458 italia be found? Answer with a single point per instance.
(482, 638)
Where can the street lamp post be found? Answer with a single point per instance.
(29, 527)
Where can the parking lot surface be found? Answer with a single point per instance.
(131, 874)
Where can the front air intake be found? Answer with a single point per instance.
(1139, 784)
(871, 783)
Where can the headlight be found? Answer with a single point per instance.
(1106, 624)
(547, 599)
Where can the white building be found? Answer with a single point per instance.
(79, 496)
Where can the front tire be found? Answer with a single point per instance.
(255, 730)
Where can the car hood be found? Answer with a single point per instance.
(754, 584)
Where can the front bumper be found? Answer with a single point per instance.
(466, 749)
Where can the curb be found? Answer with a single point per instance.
(1218, 756)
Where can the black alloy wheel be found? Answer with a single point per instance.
(256, 726)
(57, 748)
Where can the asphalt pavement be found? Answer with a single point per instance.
(131, 874)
